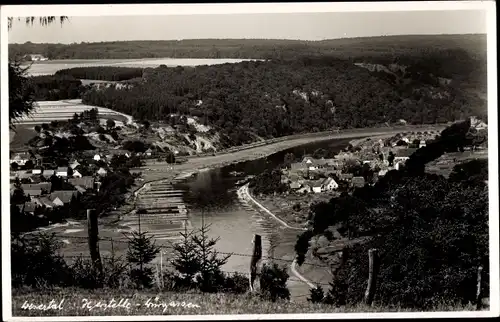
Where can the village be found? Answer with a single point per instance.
(363, 162)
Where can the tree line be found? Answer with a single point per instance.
(104, 73)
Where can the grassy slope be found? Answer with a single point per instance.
(207, 304)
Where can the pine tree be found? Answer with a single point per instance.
(196, 260)
(186, 261)
(211, 276)
(141, 251)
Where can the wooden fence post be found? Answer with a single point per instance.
(93, 233)
(479, 293)
(372, 276)
(256, 257)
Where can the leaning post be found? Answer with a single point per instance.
(256, 258)
(479, 293)
(93, 237)
(372, 276)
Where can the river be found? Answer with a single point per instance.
(211, 195)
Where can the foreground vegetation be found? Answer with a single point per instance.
(207, 304)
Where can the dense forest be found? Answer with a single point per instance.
(283, 97)
(55, 87)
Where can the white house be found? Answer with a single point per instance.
(102, 172)
(74, 164)
(149, 152)
(62, 172)
(330, 184)
(76, 174)
(37, 171)
(97, 157)
(317, 186)
(422, 144)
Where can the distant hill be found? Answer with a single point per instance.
(473, 44)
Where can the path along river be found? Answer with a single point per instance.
(214, 196)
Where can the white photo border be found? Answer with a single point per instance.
(252, 8)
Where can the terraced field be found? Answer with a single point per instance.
(48, 111)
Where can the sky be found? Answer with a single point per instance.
(304, 26)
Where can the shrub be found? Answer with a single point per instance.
(273, 282)
(35, 262)
(236, 283)
(316, 295)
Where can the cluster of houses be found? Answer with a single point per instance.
(325, 175)
(302, 177)
(36, 183)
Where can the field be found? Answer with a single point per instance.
(48, 111)
(51, 67)
(444, 165)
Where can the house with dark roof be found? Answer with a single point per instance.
(30, 207)
(316, 186)
(43, 186)
(33, 193)
(296, 166)
(345, 176)
(86, 182)
(44, 202)
(62, 197)
(404, 154)
(358, 182)
(62, 172)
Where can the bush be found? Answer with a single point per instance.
(236, 283)
(316, 295)
(273, 282)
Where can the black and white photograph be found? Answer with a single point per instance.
(249, 161)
